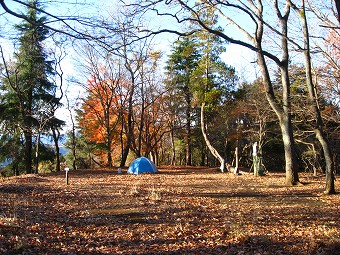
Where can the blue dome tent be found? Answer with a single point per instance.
(142, 165)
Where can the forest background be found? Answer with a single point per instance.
(179, 104)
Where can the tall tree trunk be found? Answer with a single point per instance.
(213, 151)
(129, 134)
(282, 110)
(173, 148)
(26, 112)
(285, 123)
(292, 177)
(16, 153)
(73, 136)
(37, 153)
(318, 123)
(188, 130)
(108, 140)
(74, 146)
(56, 135)
(330, 188)
(126, 148)
(28, 151)
(108, 154)
(130, 125)
(141, 126)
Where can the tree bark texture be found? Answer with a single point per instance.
(28, 151)
(318, 123)
(56, 135)
(188, 129)
(129, 133)
(209, 145)
(283, 109)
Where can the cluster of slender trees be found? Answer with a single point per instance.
(258, 31)
(192, 108)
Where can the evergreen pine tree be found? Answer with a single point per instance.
(27, 87)
(181, 64)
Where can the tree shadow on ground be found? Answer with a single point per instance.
(22, 189)
(257, 244)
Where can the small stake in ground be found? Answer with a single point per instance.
(66, 174)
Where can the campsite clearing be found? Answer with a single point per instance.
(178, 211)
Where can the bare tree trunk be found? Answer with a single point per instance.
(74, 146)
(37, 153)
(141, 124)
(129, 134)
(318, 124)
(290, 155)
(73, 135)
(56, 135)
(28, 151)
(330, 188)
(188, 130)
(108, 140)
(108, 153)
(285, 124)
(128, 64)
(209, 145)
(173, 149)
(283, 110)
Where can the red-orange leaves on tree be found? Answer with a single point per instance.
(100, 117)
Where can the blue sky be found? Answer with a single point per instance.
(237, 56)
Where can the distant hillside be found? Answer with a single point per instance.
(5, 163)
(63, 150)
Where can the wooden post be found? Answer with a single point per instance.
(66, 174)
(255, 160)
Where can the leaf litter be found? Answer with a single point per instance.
(179, 211)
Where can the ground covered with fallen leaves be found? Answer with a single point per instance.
(178, 211)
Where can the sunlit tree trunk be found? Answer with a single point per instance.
(73, 135)
(209, 145)
(318, 123)
(141, 123)
(131, 92)
(129, 127)
(56, 135)
(283, 111)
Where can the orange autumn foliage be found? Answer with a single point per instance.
(100, 116)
